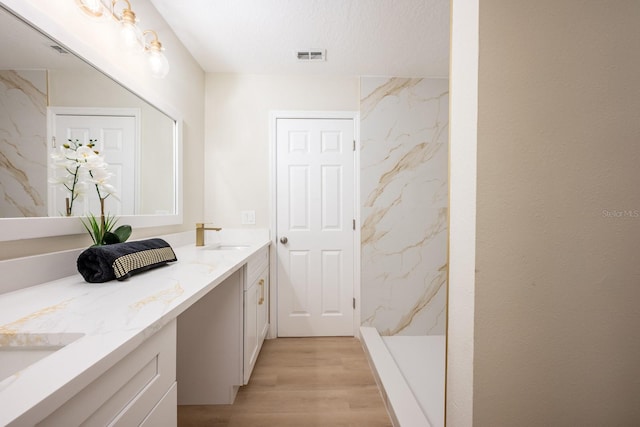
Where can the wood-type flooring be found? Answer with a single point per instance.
(301, 382)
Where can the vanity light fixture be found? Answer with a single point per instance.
(133, 38)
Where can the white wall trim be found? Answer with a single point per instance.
(273, 279)
(462, 211)
(273, 276)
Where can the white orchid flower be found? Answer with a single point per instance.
(80, 190)
(80, 167)
(100, 180)
(85, 154)
(110, 190)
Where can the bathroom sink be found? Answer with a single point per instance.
(226, 247)
(19, 350)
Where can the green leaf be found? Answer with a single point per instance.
(93, 228)
(123, 232)
(109, 222)
(110, 238)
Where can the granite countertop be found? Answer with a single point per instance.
(113, 318)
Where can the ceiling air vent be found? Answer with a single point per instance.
(311, 55)
(59, 49)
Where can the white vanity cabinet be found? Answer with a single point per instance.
(256, 308)
(138, 390)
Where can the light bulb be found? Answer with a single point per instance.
(131, 36)
(158, 63)
(129, 31)
(92, 8)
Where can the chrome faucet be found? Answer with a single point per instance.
(200, 229)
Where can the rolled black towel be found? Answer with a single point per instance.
(100, 264)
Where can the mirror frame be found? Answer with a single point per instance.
(37, 227)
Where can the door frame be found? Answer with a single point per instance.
(274, 115)
(54, 111)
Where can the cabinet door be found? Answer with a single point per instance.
(251, 298)
(256, 308)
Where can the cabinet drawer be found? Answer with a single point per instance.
(255, 265)
(166, 411)
(126, 393)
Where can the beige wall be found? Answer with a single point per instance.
(237, 131)
(181, 92)
(557, 323)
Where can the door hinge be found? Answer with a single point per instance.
(354, 224)
(354, 303)
(354, 145)
(53, 141)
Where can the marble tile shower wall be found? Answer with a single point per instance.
(23, 151)
(404, 203)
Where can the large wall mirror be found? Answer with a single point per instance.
(49, 96)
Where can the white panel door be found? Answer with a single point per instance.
(116, 139)
(315, 214)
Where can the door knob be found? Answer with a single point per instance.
(284, 240)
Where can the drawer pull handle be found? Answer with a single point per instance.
(261, 283)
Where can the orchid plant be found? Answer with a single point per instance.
(83, 166)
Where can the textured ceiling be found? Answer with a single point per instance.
(362, 37)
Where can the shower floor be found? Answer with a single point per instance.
(410, 371)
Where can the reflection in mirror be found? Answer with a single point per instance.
(48, 96)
